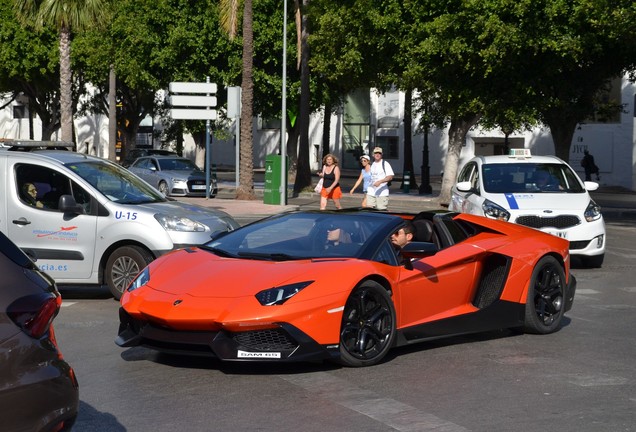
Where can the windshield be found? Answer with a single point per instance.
(299, 236)
(116, 183)
(177, 165)
(530, 177)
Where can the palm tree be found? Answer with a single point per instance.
(229, 10)
(65, 16)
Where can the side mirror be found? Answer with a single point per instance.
(591, 186)
(67, 204)
(419, 250)
(464, 186)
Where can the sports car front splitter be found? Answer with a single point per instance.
(283, 344)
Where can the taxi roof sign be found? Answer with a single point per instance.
(519, 153)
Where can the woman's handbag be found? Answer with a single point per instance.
(318, 187)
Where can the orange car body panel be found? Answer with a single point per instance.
(194, 289)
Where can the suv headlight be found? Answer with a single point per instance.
(495, 211)
(592, 212)
(178, 223)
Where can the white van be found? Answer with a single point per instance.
(86, 220)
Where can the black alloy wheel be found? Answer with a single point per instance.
(546, 297)
(368, 326)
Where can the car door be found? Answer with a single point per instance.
(147, 169)
(62, 243)
(437, 287)
(470, 201)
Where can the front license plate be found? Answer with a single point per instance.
(562, 234)
(198, 187)
(257, 355)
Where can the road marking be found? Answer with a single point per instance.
(65, 303)
(596, 380)
(397, 415)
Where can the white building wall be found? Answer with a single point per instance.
(612, 145)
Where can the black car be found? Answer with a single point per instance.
(38, 388)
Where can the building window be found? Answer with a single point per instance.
(20, 112)
(269, 123)
(390, 146)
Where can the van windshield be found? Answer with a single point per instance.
(115, 183)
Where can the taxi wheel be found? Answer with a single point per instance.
(122, 267)
(163, 188)
(368, 326)
(545, 304)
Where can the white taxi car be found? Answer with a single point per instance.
(541, 192)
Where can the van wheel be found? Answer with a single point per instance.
(123, 265)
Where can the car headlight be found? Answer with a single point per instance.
(279, 295)
(592, 212)
(178, 180)
(179, 223)
(495, 211)
(142, 279)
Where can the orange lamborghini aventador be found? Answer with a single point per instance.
(312, 285)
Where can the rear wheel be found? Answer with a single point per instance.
(368, 326)
(163, 188)
(546, 297)
(123, 265)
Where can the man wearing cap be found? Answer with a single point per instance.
(381, 174)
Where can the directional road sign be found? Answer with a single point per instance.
(192, 87)
(192, 114)
(192, 101)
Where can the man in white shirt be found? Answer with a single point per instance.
(381, 174)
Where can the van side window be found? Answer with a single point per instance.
(49, 183)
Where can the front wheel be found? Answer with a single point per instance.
(368, 326)
(123, 265)
(163, 188)
(545, 305)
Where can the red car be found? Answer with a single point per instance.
(320, 285)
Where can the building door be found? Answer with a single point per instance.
(356, 128)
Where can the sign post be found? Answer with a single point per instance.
(193, 96)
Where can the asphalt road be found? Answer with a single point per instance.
(582, 378)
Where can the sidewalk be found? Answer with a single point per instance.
(616, 203)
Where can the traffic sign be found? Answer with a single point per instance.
(192, 87)
(192, 114)
(192, 101)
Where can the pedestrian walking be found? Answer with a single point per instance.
(330, 175)
(589, 166)
(381, 176)
(364, 178)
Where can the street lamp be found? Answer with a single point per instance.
(283, 120)
(425, 184)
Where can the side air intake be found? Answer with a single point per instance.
(492, 280)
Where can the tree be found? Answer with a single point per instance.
(65, 16)
(229, 21)
(303, 172)
(29, 67)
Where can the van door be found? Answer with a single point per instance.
(62, 243)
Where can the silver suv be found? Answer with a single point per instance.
(89, 221)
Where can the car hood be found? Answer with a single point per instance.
(202, 274)
(205, 215)
(571, 202)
